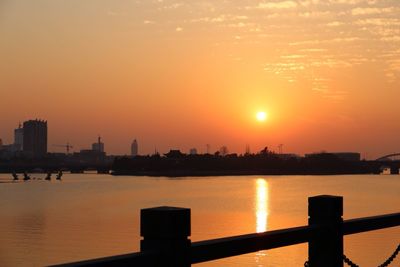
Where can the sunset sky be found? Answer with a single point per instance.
(183, 74)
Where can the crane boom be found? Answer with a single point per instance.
(67, 146)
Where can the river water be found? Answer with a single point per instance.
(87, 216)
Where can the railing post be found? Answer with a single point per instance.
(166, 230)
(326, 248)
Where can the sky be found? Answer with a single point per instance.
(184, 74)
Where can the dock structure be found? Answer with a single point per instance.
(166, 242)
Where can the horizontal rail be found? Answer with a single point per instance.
(360, 225)
(215, 249)
(138, 259)
(233, 246)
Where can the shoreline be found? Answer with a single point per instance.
(184, 173)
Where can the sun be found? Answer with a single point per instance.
(261, 116)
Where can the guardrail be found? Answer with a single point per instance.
(166, 231)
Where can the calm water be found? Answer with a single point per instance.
(87, 216)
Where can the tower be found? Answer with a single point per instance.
(35, 138)
(99, 146)
(134, 148)
(19, 138)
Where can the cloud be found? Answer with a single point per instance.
(379, 22)
(112, 13)
(370, 11)
(278, 5)
(391, 39)
(334, 24)
(347, 2)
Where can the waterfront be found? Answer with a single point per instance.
(87, 216)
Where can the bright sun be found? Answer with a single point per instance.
(261, 116)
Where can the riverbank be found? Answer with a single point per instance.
(194, 173)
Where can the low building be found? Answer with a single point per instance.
(174, 153)
(90, 156)
(346, 156)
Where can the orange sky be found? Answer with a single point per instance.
(182, 74)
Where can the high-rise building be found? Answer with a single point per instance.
(19, 138)
(134, 148)
(99, 146)
(35, 138)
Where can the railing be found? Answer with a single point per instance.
(165, 232)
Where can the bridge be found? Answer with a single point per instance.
(45, 167)
(390, 161)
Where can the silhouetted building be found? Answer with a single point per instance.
(99, 146)
(134, 148)
(11, 148)
(35, 138)
(8, 151)
(288, 156)
(193, 151)
(174, 154)
(346, 156)
(19, 138)
(90, 156)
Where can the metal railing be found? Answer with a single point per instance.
(165, 232)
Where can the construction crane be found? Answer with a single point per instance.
(67, 147)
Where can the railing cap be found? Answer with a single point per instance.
(165, 222)
(325, 206)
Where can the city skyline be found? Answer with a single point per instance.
(99, 146)
(180, 75)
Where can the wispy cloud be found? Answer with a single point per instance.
(277, 5)
(370, 10)
(307, 35)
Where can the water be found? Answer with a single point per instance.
(88, 216)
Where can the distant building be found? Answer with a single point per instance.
(8, 151)
(174, 153)
(134, 148)
(35, 138)
(346, 156)
(11, 148)
(90, 156)
(99, 146)
(19, 138)
(288, 156)
(193, 151)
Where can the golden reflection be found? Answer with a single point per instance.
(261, 205)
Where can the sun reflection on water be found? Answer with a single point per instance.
(261, 210)
(261, 205)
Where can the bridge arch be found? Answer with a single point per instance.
(388, 157)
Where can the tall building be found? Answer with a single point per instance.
(134, 148)
(19, 138)
(99, 146)
(35, 138)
